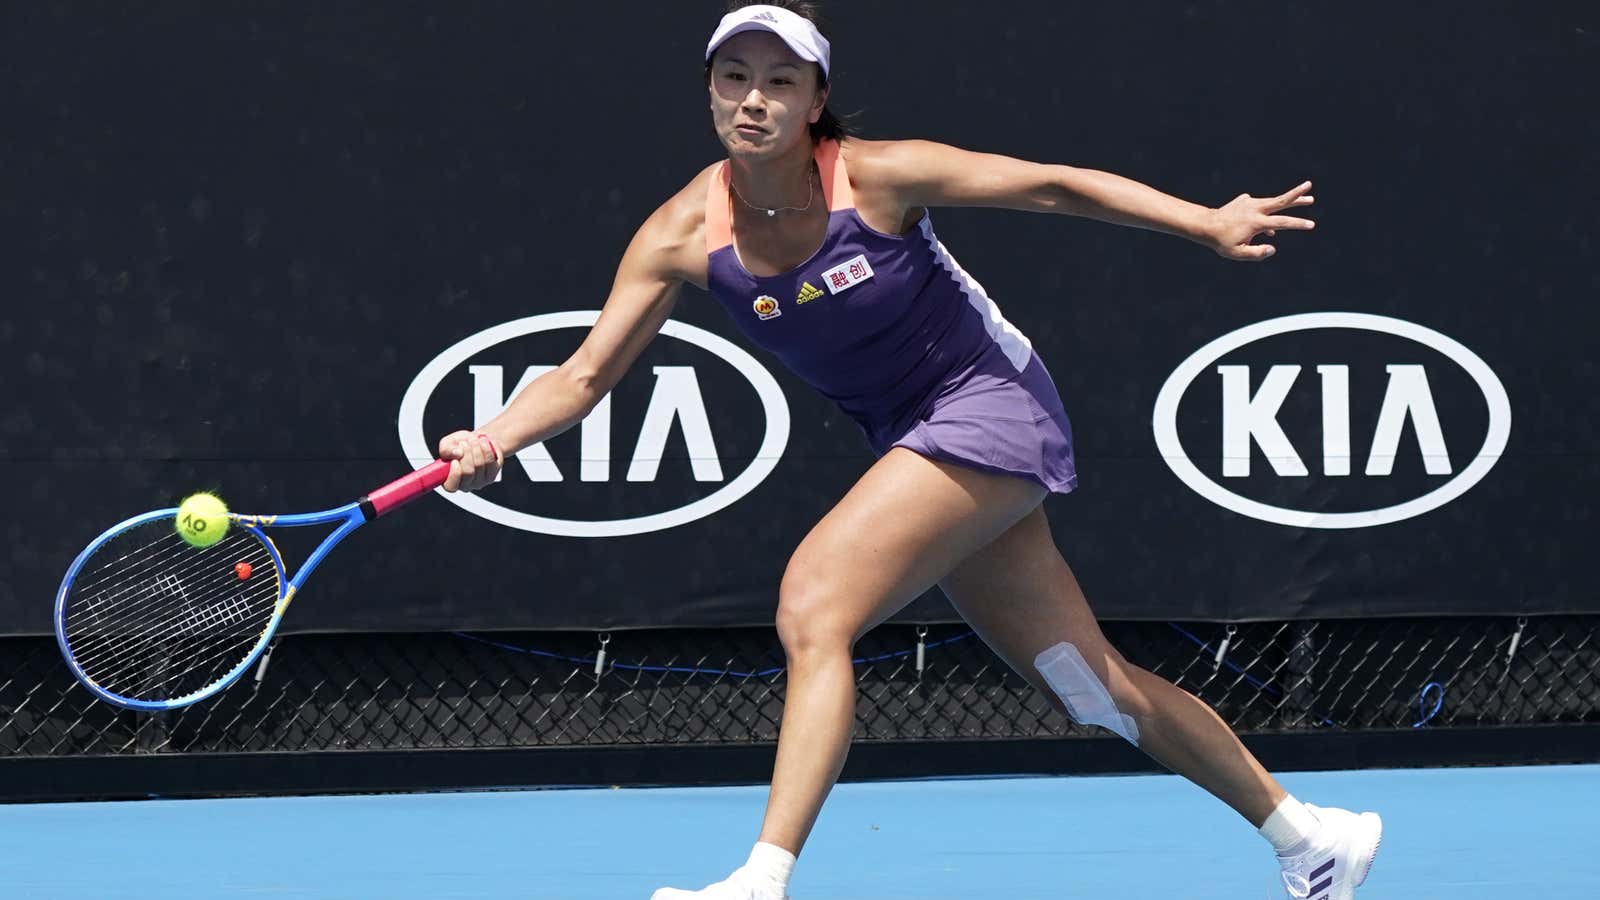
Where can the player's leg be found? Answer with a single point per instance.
(894, 535)
(1021, 597)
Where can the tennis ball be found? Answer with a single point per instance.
(202, 520)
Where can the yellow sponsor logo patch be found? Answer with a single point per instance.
(808, 293)
(766, 307)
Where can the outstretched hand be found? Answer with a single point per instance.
(1238, 223)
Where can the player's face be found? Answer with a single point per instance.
(762, 95)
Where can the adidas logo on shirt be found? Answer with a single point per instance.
(807, 294)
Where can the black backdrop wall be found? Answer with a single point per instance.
(235, 239)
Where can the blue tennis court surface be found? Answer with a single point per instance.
(1462, 833)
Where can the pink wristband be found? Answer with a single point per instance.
(492, 448)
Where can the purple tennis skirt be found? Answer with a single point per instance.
(994, 418)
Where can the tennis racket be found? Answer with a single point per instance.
(149, 622)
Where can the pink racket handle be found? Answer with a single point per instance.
(401, 491)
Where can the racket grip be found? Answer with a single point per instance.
(405, 489)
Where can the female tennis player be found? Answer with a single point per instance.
(821, 248)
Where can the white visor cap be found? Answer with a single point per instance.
(796, 31)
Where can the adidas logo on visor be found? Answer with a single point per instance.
(764, 16)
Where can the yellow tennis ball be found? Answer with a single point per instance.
(202, 520)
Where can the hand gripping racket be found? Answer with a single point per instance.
(147, 621)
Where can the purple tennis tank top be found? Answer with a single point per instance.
(887, 326)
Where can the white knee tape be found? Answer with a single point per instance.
(1088, 702)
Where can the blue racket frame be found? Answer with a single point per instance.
(351, 516)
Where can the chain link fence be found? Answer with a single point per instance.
(457, 690)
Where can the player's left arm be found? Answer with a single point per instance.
(925, 173)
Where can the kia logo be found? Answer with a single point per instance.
(1401, 392)
(677, 397)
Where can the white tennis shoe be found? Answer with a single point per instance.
(738, 886)
(1338, 859)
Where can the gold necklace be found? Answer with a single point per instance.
(811, 194)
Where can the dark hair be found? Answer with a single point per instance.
(829, 127)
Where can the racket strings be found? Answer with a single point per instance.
(112, 648)
(163, 560)
(173, 657)
(198, 658)
(156, 586)
(200, 653)
(154, 613)
(149, 554)
(201, 613)
(152, 618)
(172, 672)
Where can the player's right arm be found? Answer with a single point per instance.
(667, 250)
